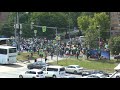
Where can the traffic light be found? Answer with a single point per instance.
(43, 28)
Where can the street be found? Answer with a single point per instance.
(13, 71)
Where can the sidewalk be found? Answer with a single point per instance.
(39, 59)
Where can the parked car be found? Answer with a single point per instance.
(76, 69)
(86, 72)
(89, 72)
(68, 76)
(101, 72)
(37, 65)
(94, 76)
(33, 73)
(54, 71)
(116, 74)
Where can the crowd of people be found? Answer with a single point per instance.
(46, 47)
(52, 47)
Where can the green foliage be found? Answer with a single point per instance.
(54, 19)
(83, 23)
(114, 45)
(88, 24)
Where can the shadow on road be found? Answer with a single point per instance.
(12, 65)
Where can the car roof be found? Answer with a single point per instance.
(6, 47)
(73, 65)
(36, 70)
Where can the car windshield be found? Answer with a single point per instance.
(77, 66)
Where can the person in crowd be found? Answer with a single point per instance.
(45, 59)
(51, 55)
(77, 54)
(35, 60)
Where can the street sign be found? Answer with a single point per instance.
(35, 31)
(44, 28)
(57, 37)
(20, 26)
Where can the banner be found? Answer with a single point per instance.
(105, 55)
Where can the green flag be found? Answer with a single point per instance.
(44, 28)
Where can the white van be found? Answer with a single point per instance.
(54, 71)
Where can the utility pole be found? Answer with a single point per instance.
(57, 45)
(15, 30)
(110, 24)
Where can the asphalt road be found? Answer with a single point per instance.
(13, 71)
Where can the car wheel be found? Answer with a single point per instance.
(29, 68)
(117, 76)
(54, 76)
(20, 76)
(75, 72)
(33, 77)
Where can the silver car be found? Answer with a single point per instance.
(76, 69)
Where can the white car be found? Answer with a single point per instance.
(33, 73)
(74, 69)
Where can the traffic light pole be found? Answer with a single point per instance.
(56, 35)
(18, 31)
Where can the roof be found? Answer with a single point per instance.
(4, 38)
(117, 67)
(73, 65)
(6, 47)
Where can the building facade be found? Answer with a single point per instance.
(3, 16)
(115, 23)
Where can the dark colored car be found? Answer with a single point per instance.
(37, 65)
(85, 73)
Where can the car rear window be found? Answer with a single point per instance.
(52, 69)
(40, 72)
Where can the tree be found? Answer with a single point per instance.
(89, 22)
(83, 23)
(114, 45)
(102, 20)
